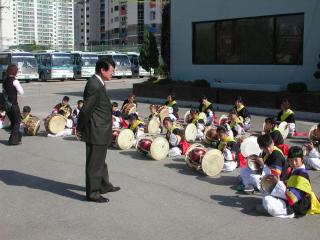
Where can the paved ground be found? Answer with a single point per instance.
(42, 189)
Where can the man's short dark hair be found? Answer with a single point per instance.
(318, 126)
(80, 101)
(264, 141)
(66, 98)
(271, 120)
(167, 119)
(222, 129)
(295, 151)
(26, 109)
(104, 64)
(115, 104)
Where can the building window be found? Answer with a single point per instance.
(152, 15)
(260, 40)
(116, 8)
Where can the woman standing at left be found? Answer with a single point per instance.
(12, 87)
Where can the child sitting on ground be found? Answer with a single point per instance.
(312, 157)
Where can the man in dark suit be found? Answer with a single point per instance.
(95, 129)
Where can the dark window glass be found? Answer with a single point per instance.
(289, 32)
(261, 40)
(204, 43)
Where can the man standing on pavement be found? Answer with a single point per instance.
(95, 129)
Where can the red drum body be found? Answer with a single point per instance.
(196, 155)
(144, 145)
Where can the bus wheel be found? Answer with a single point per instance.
(119, 77)
(27, 81)
(62, 80)
(41, 78)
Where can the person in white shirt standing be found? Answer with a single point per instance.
(12, 87)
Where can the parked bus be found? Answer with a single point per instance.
(54, 65)
(136, 69)
(123, 65)
(84, 64)
(26, 62)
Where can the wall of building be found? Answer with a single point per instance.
(262, 77)
(44, 22)
(7, 21)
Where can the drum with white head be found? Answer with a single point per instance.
(163, 112)
(190, 132)
(128, 109)
(153, 125)
(124, 138)
(284, 129)
(210, 162)
(154, 146)
(250, 149)
(268, 183)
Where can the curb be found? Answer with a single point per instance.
(302, 116)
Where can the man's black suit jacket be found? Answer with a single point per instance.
(95, 118)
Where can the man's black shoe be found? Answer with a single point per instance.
(98, 200)
(113, 189)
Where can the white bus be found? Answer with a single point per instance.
(123, 65)
(25, 61)
(135, 66)
(54, 65)
(84, 64)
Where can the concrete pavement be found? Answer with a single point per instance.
(42, 189)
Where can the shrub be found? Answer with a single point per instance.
(201, 83)
(297, 87)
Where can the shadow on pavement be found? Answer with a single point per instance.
(246, 204)
(14, 178)
(137, 155)
(184, 169)
(217, 180)
(221, 180)
(4, 142)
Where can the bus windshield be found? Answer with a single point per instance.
(89, 60)
(133, 59)
(61, 60)
(24, 61)
(121, 60)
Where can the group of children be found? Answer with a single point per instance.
(63, 108)
(292, 194)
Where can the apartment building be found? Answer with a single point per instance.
(116, 22)
(44, 22)
(87, 18)
(126, 20)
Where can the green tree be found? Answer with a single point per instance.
(149, 53)
(165, 37)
